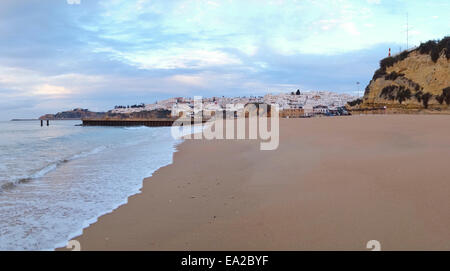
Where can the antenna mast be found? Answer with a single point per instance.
(407, 31)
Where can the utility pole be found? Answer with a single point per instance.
(357, 89)
(407, 31)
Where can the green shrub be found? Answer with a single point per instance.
(403, 94)
(355, 102)
(427, 47)
(426, 98)
(412, 84)
(440, 99)
(418, 96)
(378, 74)
(446, 94)
(393, 75)
(399, 93)
(403, 55)
(444, 44)
(444, 97)
(386, 63)
(388, 92)
(436, 48)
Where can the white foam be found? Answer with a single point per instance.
(106, 167)
(136, 128)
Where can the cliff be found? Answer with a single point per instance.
(417, 79)
(77, 113)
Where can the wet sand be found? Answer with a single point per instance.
(333, 184)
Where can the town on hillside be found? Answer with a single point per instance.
(294, 104)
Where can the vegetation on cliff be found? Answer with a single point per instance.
(436, 48)
(414, 79)
(432, 48)
(444, 97)
(355, 102)
(77, 113)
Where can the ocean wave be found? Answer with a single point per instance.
(136, 128)
(7, 185)
(136, 190)
(67, 200)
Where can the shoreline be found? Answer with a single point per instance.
(333, 184)
(61, 246)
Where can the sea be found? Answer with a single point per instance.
(56, 180)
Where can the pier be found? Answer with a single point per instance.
(131, 122)
(42, 123)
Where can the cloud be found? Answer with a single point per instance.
(193, 80)
(350, 28)
(73, 2)
(179, 58)
(102, 53)
(51, 90)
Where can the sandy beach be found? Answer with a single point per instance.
(333, 184)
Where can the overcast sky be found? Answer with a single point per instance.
(60, 54)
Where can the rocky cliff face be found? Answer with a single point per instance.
(416, 79)
(75, 114)
(79, 113)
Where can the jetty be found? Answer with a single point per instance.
(157, 122)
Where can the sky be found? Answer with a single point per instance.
(58, 55)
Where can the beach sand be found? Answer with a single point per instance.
(333, 184)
